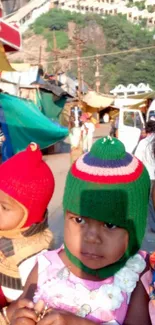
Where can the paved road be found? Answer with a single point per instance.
(60, 164)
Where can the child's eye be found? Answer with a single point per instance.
(109, 226)
(79, 220)
(4, 207)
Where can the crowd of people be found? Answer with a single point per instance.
(99, 275)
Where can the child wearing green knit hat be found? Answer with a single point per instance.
(96, 275)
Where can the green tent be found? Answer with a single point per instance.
(48, 107)
(26, 123)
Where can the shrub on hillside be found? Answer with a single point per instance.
(61, 39)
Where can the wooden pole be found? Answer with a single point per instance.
(79, 42)
(79, 69)
(54, 41)
(55, 52)
(97, 75)
(40, 55)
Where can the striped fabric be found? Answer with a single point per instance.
(89, 169)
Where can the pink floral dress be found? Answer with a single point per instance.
(146, 280)
(104, 302)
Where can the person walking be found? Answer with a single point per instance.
(75, 134)
(88, 129)
(106, 118)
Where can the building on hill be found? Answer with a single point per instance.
(112, 7)
(135, 16)
(27, 14)
(151, 20)
(149, 3)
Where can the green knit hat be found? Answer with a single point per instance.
(110, 185)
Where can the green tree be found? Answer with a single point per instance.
(140, 5)
(119, 35)
(61, 38)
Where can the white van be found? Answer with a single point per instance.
(151, 112)
(131, 123)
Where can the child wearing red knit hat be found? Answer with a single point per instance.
(26, 187)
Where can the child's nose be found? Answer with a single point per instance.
(92, 235)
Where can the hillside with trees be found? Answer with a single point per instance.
(103, 36)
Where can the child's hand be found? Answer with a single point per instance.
(62, 318)
(23, 321)
(56, 318)
(24, 313)
(16, 305)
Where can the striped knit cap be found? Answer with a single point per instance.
(110, 185)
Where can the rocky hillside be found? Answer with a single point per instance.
(111, 35)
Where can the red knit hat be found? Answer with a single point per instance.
(27, 179)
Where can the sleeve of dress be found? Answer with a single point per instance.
(26, 267)
(146, 280)
(139, 151)
(93, 127)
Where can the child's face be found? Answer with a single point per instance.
(96, 244)
(11, 213)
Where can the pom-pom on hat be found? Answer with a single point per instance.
(110, 185)
(28, 179)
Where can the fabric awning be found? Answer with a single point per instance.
(10, 36)
(129, 102)
(97, 101)
(25, 123)
(24, 78)
(21, 67)
(4, 63)
(150, 95)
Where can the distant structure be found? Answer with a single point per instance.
(131, 89)
(113, 7)
(10, 6)
(27, 14)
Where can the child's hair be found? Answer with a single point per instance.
(28, 179)
(150, 129)
(110, 185)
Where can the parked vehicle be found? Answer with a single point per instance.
(132, 125)
(151, 112)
